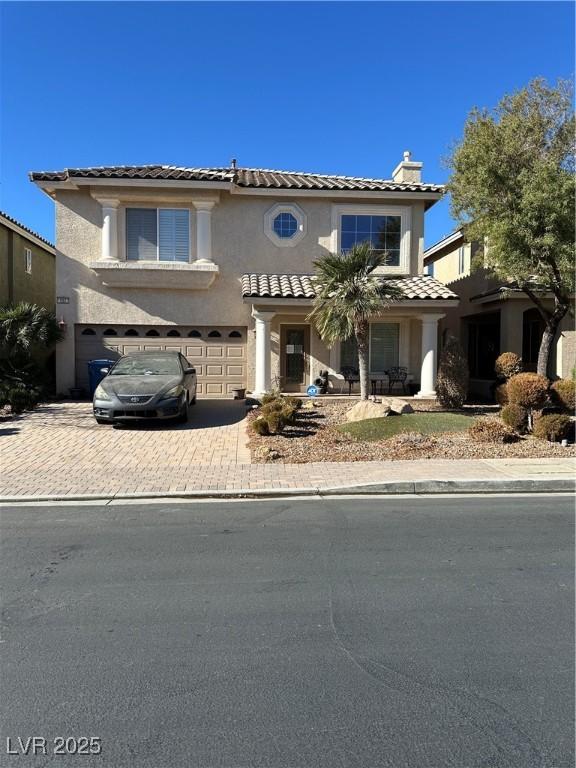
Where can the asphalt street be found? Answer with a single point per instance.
(403, 632)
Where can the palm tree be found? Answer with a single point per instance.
(348, 294)
(23, 326)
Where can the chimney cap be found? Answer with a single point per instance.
(407, 156)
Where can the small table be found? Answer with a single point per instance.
(378, 380)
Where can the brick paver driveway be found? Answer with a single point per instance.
(59, 448)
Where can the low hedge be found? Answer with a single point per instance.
(515, 416)
(530, 390)
(487, 430)
(552, 426)
(563, 393)
(275, 413)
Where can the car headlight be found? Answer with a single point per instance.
(174, 392)
(101, 394)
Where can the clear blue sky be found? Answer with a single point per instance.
(326, 87)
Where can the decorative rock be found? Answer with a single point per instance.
(366, 409)
(397, 405)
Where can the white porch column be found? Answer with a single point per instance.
(204, 231)
(263, 383)
(109, 230)
(429, 355)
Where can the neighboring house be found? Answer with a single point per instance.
(493, 316)
(216, 262)
(27, 265)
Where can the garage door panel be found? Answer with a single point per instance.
(208, 355)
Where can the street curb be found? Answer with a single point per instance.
(392, 488)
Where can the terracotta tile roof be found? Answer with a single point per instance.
(19, 224)
(256, 178)
(257, 286)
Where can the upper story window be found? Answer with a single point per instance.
(461, 260)
(285, 224)
(382, 232)
(28, 261)
(429, 269)
(158, 234)
(385, 227)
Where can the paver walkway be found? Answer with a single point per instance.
(59, 450)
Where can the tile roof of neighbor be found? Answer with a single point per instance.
(302, 287)
(242, 177)
(19, 224)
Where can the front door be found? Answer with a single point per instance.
(295, 343)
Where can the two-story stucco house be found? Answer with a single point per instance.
(493, 316)
(217, 262)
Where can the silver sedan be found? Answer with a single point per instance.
(146, 385)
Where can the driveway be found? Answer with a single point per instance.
(59, 448)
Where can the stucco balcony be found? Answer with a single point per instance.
(156, 274)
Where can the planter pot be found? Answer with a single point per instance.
(239, 394)
(76, 393)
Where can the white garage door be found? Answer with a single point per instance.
(217, 352)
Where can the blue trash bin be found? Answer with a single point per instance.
(95, 375)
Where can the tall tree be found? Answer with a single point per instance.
(348, 295)
(512, 188)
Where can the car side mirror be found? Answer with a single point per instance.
(189, 370)
(104, 370)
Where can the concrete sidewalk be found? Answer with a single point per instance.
(394, 477)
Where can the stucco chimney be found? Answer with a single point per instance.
(408, 171)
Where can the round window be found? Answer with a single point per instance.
(285, 225)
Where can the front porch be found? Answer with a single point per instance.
(289, 355)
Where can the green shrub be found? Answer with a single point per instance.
(269, 397)
(260, 426)
(530, 390)
(276, 422)
(295, 401)
(487, 430)
(552, 426)
(272, 405)
(515, 417)
(563, 393)
(507, 365)
(289, 414)
(452, 380)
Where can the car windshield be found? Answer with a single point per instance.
(147, 366)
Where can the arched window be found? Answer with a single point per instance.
(152, 332)
(88, 332)
(131, 332)
(234, 335)
(173, 333)
(195, 335)
(214, 335)
(110, 332)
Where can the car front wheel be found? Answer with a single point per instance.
(183, 418)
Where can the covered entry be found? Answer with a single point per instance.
(217, 353)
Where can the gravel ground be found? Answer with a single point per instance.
(314, 437)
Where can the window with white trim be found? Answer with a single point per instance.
(384, 348)
(28, 261)
(158, 234)
(461, 260)
(382, 232)
(285, 224)
(385, 227)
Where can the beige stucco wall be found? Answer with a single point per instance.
(239, 244)
(511, 311)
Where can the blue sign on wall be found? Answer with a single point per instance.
(312, 391)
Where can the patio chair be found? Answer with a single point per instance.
(397, 375)
(351, 376)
